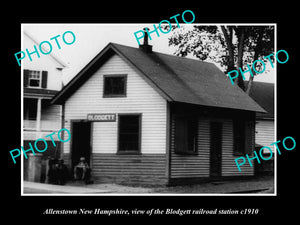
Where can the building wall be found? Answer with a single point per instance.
(265, 133)
(191, 166)
(129, 169)
(229, 167)
(198, 166)
(264, 136)
(152, 163)
(141, 98)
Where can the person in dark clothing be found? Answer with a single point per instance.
(52, 173)
(61, 172)
(58, 171)
(82, 171)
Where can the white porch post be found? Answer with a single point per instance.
(38, 115)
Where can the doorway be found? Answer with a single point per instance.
(81, 142)
(216, 149)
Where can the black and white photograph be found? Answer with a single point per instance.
(169, 111)
(149, 109)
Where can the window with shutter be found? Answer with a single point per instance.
(243, 137)
(186, 135)
(249, 137)
(239, 137)
(35, 78)
(181, 134)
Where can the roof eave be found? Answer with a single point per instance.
(65, 93)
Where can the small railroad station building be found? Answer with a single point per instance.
(143, 117)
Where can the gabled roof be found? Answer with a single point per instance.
(175, 78)
(263, 94)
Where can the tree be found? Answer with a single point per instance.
(232, 47)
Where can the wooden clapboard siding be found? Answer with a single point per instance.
(141, 98)
(191, 166)
(265, 133)
(229, 167)
(198, 166)
(141, 169)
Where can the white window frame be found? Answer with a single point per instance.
(31, 73)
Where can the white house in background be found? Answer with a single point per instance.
(42, 79)
(263, 94)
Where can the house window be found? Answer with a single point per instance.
(35, 78)
(129, 137)
(243, 134)
(114, 85)
(186, 133)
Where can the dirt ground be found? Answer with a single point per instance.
(264, 185)
(260, 185)
(256, 185)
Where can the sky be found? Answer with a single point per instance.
(92, 38)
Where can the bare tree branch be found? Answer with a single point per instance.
(256, 54)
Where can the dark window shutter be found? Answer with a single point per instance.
(181, 134)
(44, 79)
(249, 137)
(192, 134)
(26, 78)
(239, 137)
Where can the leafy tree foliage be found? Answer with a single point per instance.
(229, 46)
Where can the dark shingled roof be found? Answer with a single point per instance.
(175, 78)
(263, 94)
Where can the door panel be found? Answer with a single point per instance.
(81, 137)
